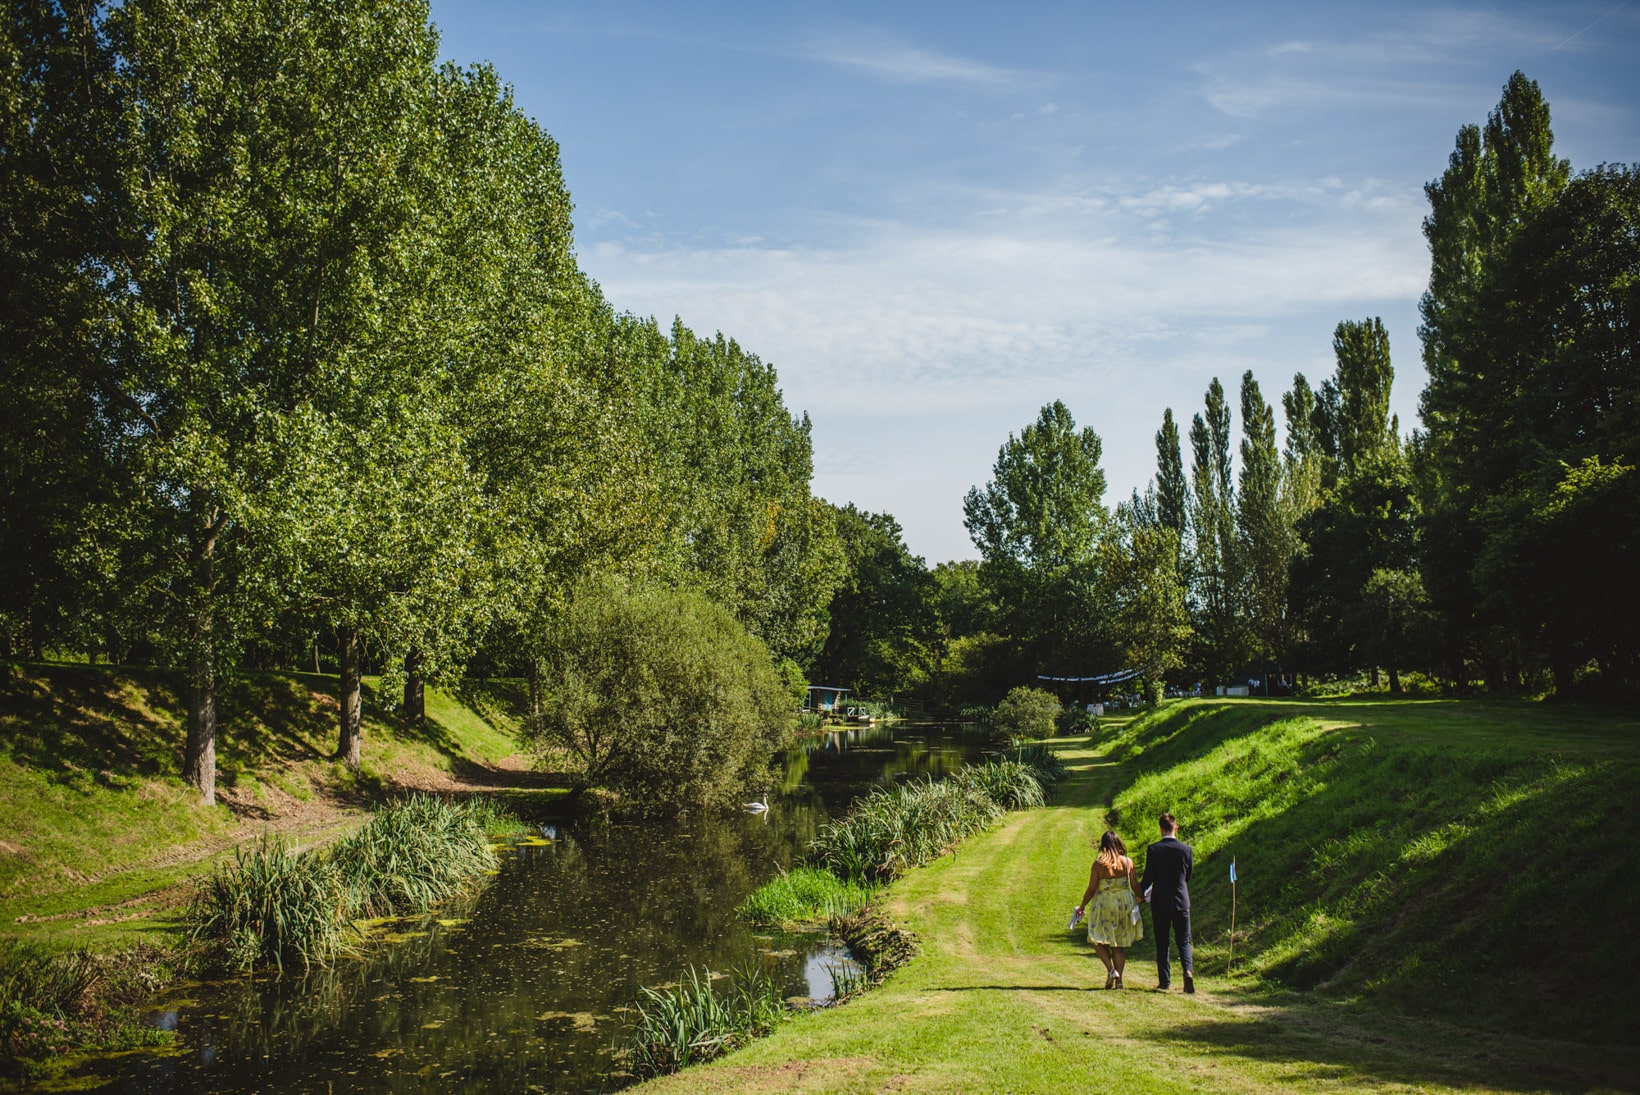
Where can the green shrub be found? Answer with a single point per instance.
(694, 1023)
(1077, 720)
(660, 695)
(803, 894)
(1027, 713)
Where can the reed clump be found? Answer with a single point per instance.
(694, 1022)
(1040, 759)
(411, 856)
(1010, 784)
(801, 895)
(274, 903)
(892, 830)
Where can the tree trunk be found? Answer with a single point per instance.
(1375, 678)
(199, 754)
(199, 759)
(535, 686)
(415, 688)
(1394, 681)
(347, 744)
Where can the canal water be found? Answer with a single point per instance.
(522, 987)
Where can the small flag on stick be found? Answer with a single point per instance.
(1231, 963)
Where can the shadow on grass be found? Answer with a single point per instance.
(1361, 1047)
(1454, 880)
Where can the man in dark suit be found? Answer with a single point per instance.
(1166, 885)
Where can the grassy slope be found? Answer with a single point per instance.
(1358, 829)
(96, 824)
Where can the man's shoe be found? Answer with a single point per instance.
(1189, 984)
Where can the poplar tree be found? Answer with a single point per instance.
(1265, 541)
(1212, 523)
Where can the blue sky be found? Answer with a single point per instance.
(934, 218)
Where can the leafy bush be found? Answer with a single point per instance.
(54, 1003)
(1027, 713)
(693, 1023)
(1077, 720)
(803, 894)
(660, 695)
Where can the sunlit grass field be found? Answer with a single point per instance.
(1427, 899)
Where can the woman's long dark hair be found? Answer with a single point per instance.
(1111, 849)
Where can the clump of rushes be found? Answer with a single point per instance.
(275, 903)
(803, 894)
(1010, 784)
(1042, 760)
(694, 1022)
(889, 831)
(411, 855)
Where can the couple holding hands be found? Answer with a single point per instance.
(1115, 892)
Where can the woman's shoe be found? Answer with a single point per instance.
(1118, 978)
(1110, 978)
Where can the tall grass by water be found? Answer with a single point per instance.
(274, 903)
(694, 1021)
(804, 894)
(891, 830)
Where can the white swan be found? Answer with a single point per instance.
(757, 807)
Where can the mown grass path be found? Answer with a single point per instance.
(1005, 999)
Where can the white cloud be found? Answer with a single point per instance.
(906, 64)
(917, 348)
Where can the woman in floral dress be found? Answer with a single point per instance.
(1113, 890)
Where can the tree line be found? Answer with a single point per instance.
(300, 369)
(1494, 546)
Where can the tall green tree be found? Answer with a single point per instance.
(1037, 525)
(1362, 423)
(55, 437)
(1215, 565)
(1172, 489)
(1265, 542)
(1145, 597)
(884, 632)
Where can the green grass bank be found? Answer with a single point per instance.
(101, 840)
(1427, 902)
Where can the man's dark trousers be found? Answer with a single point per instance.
(1168, 864)
(1178, 924)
